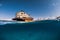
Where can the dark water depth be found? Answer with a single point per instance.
(40, 30)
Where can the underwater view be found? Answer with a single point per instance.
(29, 19)
(39, 30)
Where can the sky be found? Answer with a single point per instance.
(36, 8)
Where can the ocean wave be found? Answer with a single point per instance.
(10, 22)
(3, 22)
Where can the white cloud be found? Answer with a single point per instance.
(56, 10)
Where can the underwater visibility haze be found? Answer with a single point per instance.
(39, 30)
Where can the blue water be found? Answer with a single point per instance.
(39, 30)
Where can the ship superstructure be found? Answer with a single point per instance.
(22, 16)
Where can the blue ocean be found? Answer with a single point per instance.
(39, 30)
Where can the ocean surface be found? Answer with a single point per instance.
(39, 30)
